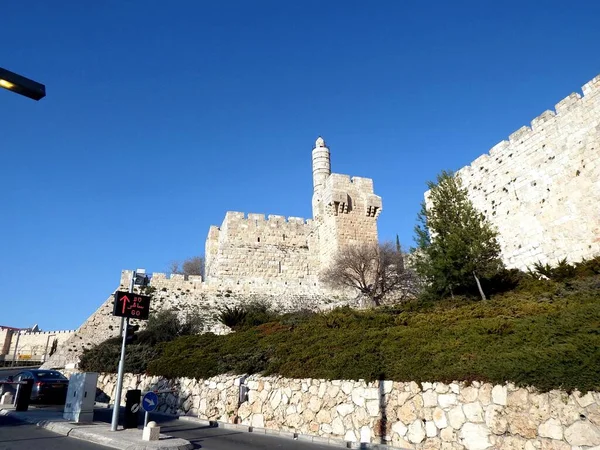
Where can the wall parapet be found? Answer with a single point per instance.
(42, 333)
(236, 216)
(561, 109)
(547, 172)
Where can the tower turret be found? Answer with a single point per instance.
(321, 165)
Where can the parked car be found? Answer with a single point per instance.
(49, 386)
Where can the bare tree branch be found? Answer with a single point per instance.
(374, 270)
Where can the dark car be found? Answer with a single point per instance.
(49, 386)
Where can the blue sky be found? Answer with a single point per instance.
(160, 117)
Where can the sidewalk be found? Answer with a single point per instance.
(96, 432)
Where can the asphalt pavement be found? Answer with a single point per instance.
(215, 438)
(16, 435)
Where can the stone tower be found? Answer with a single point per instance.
(321, 168)
(345, 209)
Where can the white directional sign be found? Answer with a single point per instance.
(150, 401)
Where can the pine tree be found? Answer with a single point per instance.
(456, 245)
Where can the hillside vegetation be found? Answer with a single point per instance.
(544, 332)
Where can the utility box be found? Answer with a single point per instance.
(81, 395)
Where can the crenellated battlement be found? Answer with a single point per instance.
(541, 186)
(240, 217)
(287, 249)
(46, 333)
(547, 123)
(257, 257)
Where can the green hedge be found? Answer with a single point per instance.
(544, 333)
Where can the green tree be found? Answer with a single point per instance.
(456, 245)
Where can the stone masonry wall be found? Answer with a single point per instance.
(252, 248)
(541, 188)
(192, 295)
(33, 345)
(350, 215)
(431, 416)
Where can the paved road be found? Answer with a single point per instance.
(211, 438)
(15, 435)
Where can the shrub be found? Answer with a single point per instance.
(249, 315)
(560, 272)
(163, 326)
(544, 333)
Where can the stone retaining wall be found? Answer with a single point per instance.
(408, 415)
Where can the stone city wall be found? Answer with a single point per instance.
(33, 345)
(541, 188)
(349, 214)
(258, 249)
(407, 415)
(192, 295)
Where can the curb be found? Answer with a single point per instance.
(116, 441)
(340, 443)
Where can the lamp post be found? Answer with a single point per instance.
(137, 277)
(21, 85)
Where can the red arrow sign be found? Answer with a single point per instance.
(125, 301)
(134, 306)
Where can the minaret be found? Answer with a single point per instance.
(321, 166)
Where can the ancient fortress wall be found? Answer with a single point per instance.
(33, 345)
(252, 249)
(541, 188)
(192, 295)
(349, 217)
(252, 258)
(258, 249)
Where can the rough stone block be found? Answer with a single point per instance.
(7, 399)
(151, 432)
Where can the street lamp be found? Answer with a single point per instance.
(21, 85)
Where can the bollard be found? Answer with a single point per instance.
(7, 399)
(132, 408)
(151, 432)
(23, 396)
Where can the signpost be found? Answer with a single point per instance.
(128, 305)
(149, 403)
(132, 306)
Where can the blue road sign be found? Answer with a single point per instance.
(150, 401)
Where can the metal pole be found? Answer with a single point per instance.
(146, 417)
(117, 400)
(16, 346)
